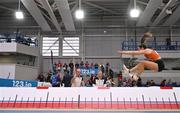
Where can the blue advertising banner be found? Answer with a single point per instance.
(17, 83)
(89, 71)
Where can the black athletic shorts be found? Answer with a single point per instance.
(160, 65)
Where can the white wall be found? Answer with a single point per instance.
(24, 72)
(17, 71)
(7, 71)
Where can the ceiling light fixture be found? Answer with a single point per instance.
(134, 13)
(79, 13)
(19, 14)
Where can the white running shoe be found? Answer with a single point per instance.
(131, 75)
(126, 73)
(135, 77)
(126, 70)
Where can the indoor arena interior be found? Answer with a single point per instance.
(78, 56)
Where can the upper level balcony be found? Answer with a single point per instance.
(18, 43)
(14, 47)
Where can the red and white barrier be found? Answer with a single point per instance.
(91, 98)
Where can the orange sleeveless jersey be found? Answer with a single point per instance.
(153, 55)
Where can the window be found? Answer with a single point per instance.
(71, 46)
(50, 43)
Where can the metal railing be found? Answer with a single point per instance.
(18, 38)
(158, 45)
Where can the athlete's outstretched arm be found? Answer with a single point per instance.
(140, 52)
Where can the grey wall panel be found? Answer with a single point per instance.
(102, 46)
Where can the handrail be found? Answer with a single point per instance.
(158, 45)
(17, 37)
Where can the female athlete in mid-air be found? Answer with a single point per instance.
(153, 61)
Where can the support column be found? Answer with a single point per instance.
(82, 43)
(40, 57)
(60, 45)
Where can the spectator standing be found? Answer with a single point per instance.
(77, 80)
(92, 65)
(41, 78)
(163, 83)
(100, 80)
(77, 65)
(59, 65)
(71, 65)
(65, 66)
(110, 82)
(55, 80)
(96, 66)
(67, 79)
(168, 43)
(81, 64)
(48, 78)
(87, 65)
(120, 81)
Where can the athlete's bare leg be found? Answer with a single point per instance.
(136, 71)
